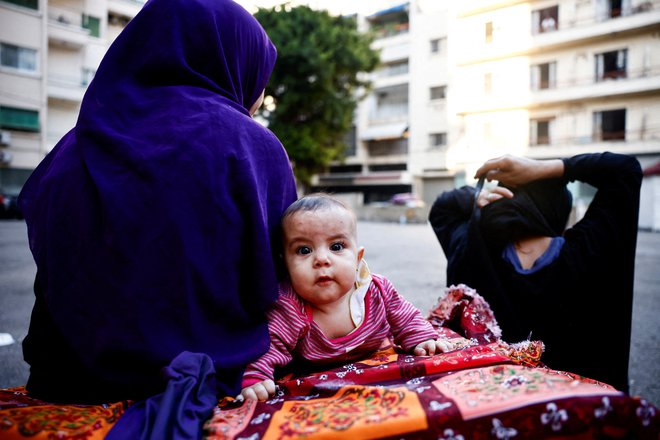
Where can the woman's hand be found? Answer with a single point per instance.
(259, 391)
(487, 196)
(514, 171)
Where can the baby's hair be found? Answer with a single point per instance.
(314, 202)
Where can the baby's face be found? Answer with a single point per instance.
(321, 254)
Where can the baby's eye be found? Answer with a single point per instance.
(303, 250)
(336, 247)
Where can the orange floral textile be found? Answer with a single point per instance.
(24, 417)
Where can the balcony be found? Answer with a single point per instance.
(65, 28)
(127, 8)
(66, 87)
(390, 22)
(571, 33)
(616, 83)
(516, 40)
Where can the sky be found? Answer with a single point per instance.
(335, 7)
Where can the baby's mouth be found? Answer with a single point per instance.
(323, 279)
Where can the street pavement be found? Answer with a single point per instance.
(408, 254)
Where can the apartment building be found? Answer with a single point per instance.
(401, 130)
(555, 78)
(49, 52)
(462, 82)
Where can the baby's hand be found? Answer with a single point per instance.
(430, 347)
(259, 391)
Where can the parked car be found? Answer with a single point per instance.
(407, 199)
(9, 207)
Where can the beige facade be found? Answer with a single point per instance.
(50, 51)
(401, 128)
(543, 79)
(588, 82)
(549, 79)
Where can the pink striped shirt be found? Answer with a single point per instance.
(295, 335)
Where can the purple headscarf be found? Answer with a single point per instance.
(152, 220)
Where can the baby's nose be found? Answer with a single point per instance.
(321, 258)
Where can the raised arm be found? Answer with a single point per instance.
(611, 219)
(449, 217)
(514, 171)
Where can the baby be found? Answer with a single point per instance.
(332, 309)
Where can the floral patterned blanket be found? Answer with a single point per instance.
(487, 390)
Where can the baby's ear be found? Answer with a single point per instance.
(360, 254)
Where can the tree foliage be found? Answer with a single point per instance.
(315, 84)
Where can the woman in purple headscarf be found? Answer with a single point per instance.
(152, 220)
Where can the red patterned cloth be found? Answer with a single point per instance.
(477, 392)
(461, 308)
(488, 390)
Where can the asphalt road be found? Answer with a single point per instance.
(408, 255)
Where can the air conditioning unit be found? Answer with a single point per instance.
(5, 137)
(5, 157)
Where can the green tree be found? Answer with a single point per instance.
(316, 84)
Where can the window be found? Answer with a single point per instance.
(32, 4)
(17, 57)
(439, 92)
(19, 119)
(488, 84)
(391, 102)
(351, 142)
(610, 125)
(611, 65)
(93, 24)
(438, 139)
(488, 130)
(345, 169)
(87, 75)
(612, 9)
(543, 76)
(438, 45)
(388, 147)
(389, 167)
(117, 20)
(540, 131)
(545, 20)
(489, 32)
(394, 68)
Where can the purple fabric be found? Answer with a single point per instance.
(151, 221)
(178, 412)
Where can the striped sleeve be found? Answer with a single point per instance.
(407, 324)
(287, 323)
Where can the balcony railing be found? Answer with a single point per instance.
(390, 29)
(606, 15)
(613, 75)
(630, 136)
(65, 17)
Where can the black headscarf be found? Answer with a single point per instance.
(539, 208)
